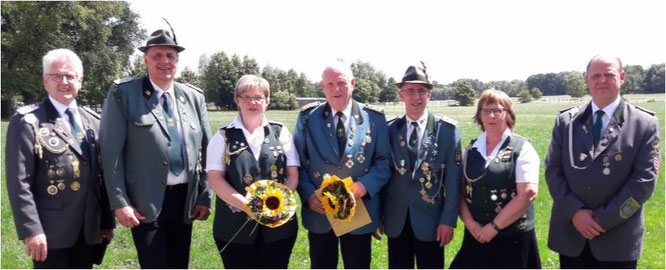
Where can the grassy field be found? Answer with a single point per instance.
(534, 121)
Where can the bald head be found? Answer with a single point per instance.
(605, 58)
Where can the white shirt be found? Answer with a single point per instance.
(172, 179)
(608, 112)
(346, 112)
(62, 108)
(217, 146)
(527, 163)
(422, 122)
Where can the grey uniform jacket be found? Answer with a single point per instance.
(56, 190)
(614, 179)
(136, 144)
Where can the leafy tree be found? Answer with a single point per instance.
(633, 79)
(525, 97)
(575, 86)
(654, 79)
(188, 76)
(305, 87)
(369, 82)
(536, 93)
(283, 100)
(464, 93)
(219, 79)
(390, 92)
(136, 67)
(103, 34)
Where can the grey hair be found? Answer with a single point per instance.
(62, 55)
(340, 66)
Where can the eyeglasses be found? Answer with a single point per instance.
(487, 111)
(257, 99)
(55, 77)
(421, 92)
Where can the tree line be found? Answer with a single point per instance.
(105, 35)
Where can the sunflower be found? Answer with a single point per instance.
(336, 198)
(270, 203)
(330, 203)
(273, 202)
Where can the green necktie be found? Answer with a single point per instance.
(597, 126)
(340, 130)
(78, 134)
(176, 164)
(413, 146)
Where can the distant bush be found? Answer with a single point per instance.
(283, 100)
(525, 97)
(536, 93)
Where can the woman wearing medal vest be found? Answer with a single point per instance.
(500, 179)
(250, 149)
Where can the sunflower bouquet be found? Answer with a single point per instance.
(270, 203)
(337, 199)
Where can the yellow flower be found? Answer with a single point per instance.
(330, 203)
(273, 202)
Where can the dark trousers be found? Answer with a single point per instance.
(403, 249)
(79, 256)
(258, 255)
(355, 250)
(587, 261)
(165, 242)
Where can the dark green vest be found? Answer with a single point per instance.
(493, 187)
(242, 171)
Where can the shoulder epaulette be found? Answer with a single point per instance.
(450, 121)
(123, 80)
(310, 106)
(572, 111)
(374, 108)
(195, 88)
(27, 108)
(92, 112)
(275, 123)
(645, 110)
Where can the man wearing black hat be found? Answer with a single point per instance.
(421, 200)
(154, 133)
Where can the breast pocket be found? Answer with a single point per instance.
(143, 120)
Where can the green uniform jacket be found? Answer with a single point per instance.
(135, 145)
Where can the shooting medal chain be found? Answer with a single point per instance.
(468, 188)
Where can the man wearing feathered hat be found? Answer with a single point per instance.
(154, 133)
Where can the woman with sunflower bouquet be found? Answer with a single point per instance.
(240, 155)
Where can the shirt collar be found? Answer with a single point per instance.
(238, 123)
(480, 143)
(161, 91)
(346, 111)
(608, 110)
(422, 121)
(61, 108)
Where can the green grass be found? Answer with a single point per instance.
(534, 121)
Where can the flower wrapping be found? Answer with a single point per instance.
(270, 203)
(336, 198)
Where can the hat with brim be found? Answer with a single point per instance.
(161, 37)
(415, 74)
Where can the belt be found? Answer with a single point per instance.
(176, 187)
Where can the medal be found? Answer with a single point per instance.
(75, 169)
(182, 99)
(421, 179)
(606, 171)
(349, 164)
(247, 179)
(402, 143)
(281, 172)
(328, 125)
(493, 197)
(44, 131)
(274, 173)
(498, 209)
(51, 173)
(360, 158)
(368, 139)
(265, 141)
(61, 185)
(317, 174)
(52, 190)
(618, 157)
(605, 159)
(60, 172)
(428, 185)
(582, 157)
(503, 195)
(170, 122)
(75, 186)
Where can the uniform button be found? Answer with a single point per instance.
(169, 143)
(166, 163)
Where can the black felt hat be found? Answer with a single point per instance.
(162, 37)
(416, 74)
